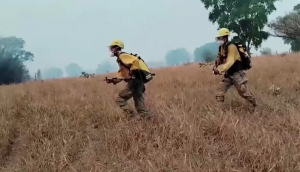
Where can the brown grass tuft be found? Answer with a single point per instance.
(75, 125)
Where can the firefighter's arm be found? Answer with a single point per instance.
(127, 59)
(135, 65)
(231, 57)
(131, 61)
(218, 60)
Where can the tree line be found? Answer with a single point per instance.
(247, 19)
(13, 70)
(73, 70)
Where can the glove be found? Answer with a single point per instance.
(109, 81)
(216, 71)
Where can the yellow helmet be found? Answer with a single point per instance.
(223, 32)
(118, 43)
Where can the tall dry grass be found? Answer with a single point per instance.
(75, 125)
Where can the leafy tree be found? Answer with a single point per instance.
(12, 68)
(266, 51)
(287, 27)
(208, 56)
(73, 69)
(246, 18)
(297, 7)
(206, 51)
(15, 46)
(177, 57)
(295, 46)
(52, 72)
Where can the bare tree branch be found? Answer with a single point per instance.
(287, 27)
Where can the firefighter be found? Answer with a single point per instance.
(136, 74)
(232, 67)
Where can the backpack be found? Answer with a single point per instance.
(143, 73)
(246, 59)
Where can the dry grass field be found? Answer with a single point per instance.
(75, 125)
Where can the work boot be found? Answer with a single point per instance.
(145, 116)
(131, 114)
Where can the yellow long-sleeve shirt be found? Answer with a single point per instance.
(232, 56)
(132, 63)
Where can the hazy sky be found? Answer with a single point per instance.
(62, 31)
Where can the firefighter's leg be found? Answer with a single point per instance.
(139, 99)
(122, 99)
(243, 91)
(240, 83)
(222, 89)
(139, 102)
